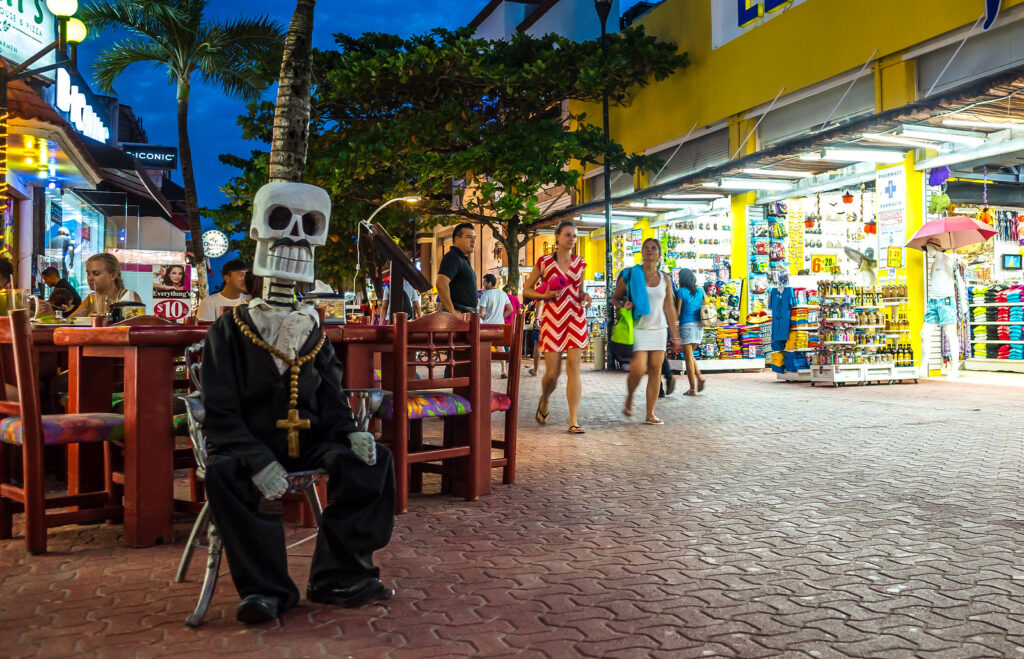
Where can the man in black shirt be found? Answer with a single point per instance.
(456, 280)
(52, 278)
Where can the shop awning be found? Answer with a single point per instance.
(977, 99)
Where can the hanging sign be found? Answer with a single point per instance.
(71, 101)
(732, 18)
(891, 199)
(27, 28)
(636, 240)
(824, 263)
(153, 156)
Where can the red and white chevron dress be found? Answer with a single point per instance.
(565, 323)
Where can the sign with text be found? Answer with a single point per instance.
(824, 263)
(732, 18)
(172, 281)
(894, 256)
(891, 196)
(795, 237)
(27, 28)
(153, 156)
(171, 309)
(636, 240)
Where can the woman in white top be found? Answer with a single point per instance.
(650, 330)
(103, 273)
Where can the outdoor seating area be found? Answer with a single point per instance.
(120, 467)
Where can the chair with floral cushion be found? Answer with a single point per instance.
(448, 349)
(508, 402)
(24, 430)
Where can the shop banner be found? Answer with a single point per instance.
(891, 196)
(733, 18)
(636, 240)
(171, 294)
(27, 28)
(795, 233)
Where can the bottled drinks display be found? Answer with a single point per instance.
(861, 295)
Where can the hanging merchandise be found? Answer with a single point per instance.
(985, 215)
(938, 175)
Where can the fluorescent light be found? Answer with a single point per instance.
(813, 155)
(895, 139)
(778, 172)
(970, 138)
(692, 195)
(669, 205)
(750, 184)
(969, 123)
(863, 155)
(966, 211)
(599, 220)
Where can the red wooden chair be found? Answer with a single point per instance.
(23, 429)
(508, 402)
(449, 349)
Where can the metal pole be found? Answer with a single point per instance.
(608, 280)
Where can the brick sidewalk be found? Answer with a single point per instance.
(763, 519)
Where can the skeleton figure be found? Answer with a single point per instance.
(252, 447)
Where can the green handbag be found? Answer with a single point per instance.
(623, 330)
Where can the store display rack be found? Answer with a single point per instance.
(996, 336)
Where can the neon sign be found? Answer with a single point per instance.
(73, 102)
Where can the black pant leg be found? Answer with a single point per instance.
(359, 516)
(254, 541)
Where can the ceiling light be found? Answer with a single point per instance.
(970, 138)
(813, 155)
(778, 172)
(995, 125)
(895, 139)
(599, 220)
(633, 213)
(863, 155)
(669, 205)
(692, 195)
(751, 184)
(965, 211)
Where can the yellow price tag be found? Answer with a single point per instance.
(824, 263)
(894, 257)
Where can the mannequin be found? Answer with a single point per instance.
(941, 310)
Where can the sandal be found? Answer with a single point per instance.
(542, 419)
(691, 392)
(532, 371)
(576, 430)
(700, 385)
(627, 411)
(654, 421)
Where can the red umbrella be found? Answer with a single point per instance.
(951, 232)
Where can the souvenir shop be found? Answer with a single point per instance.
(813, 265)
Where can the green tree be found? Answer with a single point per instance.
(478, 127)
(176, 36)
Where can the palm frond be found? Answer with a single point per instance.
(148, 18)
(112, 62)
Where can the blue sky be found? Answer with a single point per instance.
(212, 126)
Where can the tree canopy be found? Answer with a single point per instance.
(476, 127)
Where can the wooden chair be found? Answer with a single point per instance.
(23, 429)
(449, 349)
(508, 402)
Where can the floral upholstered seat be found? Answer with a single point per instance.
(427, 404)
(500, 402)
(61, 429)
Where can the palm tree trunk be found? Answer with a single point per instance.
(191, 199)
(291, 116)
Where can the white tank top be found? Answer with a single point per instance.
(656, 299)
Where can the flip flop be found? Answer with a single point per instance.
(654, 421)
(627, 412)
(576, 430)
(532, 372)
(691, 392)
(542, 419)
(700, 385)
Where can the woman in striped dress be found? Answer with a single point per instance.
(564, 328)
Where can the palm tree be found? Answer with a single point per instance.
(291, 114)
(174, 35)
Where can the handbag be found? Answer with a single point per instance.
(623, 330)
(708, 315)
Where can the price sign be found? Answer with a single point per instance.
(172, 309)
(894, 257)
(824, 263)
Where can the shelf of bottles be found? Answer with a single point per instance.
(865, 335)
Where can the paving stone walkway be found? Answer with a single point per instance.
(763, 519)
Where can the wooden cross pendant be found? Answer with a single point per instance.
(292, 424)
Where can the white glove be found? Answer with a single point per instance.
(364, 447)
(271, 481)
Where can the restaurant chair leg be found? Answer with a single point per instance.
(6, 505)
(415, 444)
(194, 540)
(210, 580)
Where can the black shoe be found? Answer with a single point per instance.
(257, 608)
(670, 385)
(368, 590)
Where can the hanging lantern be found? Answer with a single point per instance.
(847, 198)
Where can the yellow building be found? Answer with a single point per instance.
(814, 104)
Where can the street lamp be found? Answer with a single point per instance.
(411, 199)
(603, 8)
(71, 31)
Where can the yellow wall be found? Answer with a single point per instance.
(739, 246)
(798, 48)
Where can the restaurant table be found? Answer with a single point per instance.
(148, 353)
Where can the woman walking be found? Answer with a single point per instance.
(558, 280)
(654, 318)
(690, 331)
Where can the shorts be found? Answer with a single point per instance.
(940, 312)
(691, 332)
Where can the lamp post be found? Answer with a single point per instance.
(603, 8)
(411, 199)
(71, 31)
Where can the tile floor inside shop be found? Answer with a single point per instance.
(763, 519)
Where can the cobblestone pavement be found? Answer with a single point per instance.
(763, 519)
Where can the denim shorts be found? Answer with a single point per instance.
(940, 312)
(691, 332)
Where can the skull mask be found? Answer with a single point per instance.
(289, 221)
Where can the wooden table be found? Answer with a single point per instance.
(148, 353)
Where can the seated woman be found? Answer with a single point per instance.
(61, 300)
(103, 273)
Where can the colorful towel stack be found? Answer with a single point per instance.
(799, 318)
(729, 342)
(797, 340)
(740, 342)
